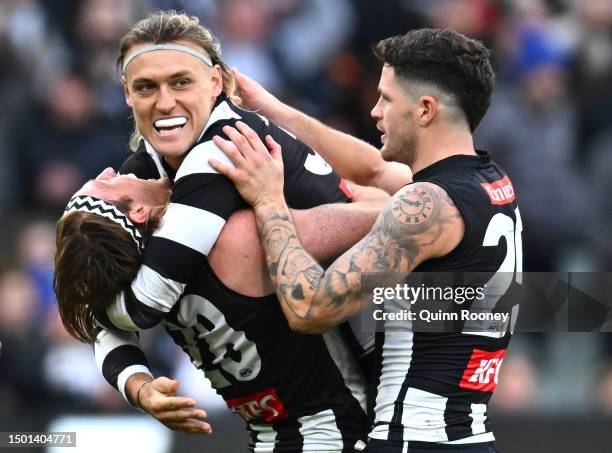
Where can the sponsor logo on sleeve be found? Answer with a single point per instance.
(264, 405)
(500, 192)
(482, 370)
(317, 165)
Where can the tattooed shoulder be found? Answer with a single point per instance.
(420, 209)
(415, 205)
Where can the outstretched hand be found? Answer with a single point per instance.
(258, 173)
(177, 413)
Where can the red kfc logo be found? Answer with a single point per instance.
(264, 405)
(482, 370)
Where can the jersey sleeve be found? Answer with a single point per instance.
(118, 356)
(309, 180)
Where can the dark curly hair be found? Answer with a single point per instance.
(454, 63)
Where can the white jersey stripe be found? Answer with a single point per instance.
(265, 438)
(126, 373)
(347, 365)
(221, 112)
(423, 416)
(320, 432)
(183, 224)
(478, 416)
(197, 160)
(157, 159)
(153, 290)
(118, 314)
(396, 359)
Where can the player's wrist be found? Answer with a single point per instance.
(138, 396)
(278, 112)
(271, 204)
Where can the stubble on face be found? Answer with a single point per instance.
(402, 145)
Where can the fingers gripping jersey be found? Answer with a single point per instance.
(201, 202)
(434, 387)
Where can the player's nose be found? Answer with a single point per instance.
(376, 111)
(165, 101)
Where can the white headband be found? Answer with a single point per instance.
(177, 47)
(93, 205)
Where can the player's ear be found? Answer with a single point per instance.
(139, 213)
(126, 91)
(216, 78)
(427, 110)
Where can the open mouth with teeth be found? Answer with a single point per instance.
(170, 126)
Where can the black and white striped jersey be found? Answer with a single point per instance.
(434, 387)
(295, 392)
(201, 202)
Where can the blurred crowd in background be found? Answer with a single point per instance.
(64, 119)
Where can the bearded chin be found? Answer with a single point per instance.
(404, 154)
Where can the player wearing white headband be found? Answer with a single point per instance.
(180, 102)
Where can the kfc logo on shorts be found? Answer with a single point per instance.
(500, 192)
(482, 370)
(264, 405)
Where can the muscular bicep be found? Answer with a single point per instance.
(419, 223)
(325, 232)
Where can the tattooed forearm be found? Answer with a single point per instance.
(295, 274)
(410, 229)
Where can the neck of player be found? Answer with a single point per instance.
(440, 143)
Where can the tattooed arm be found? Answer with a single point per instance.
(420, 222)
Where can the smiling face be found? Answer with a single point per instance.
(394, 114)
(149, 197)
(172, 94)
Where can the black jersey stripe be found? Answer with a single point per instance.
(173, 260)
(102, 318)
(458, 425)
(141, 314)
(288, 437)
(120, 358)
